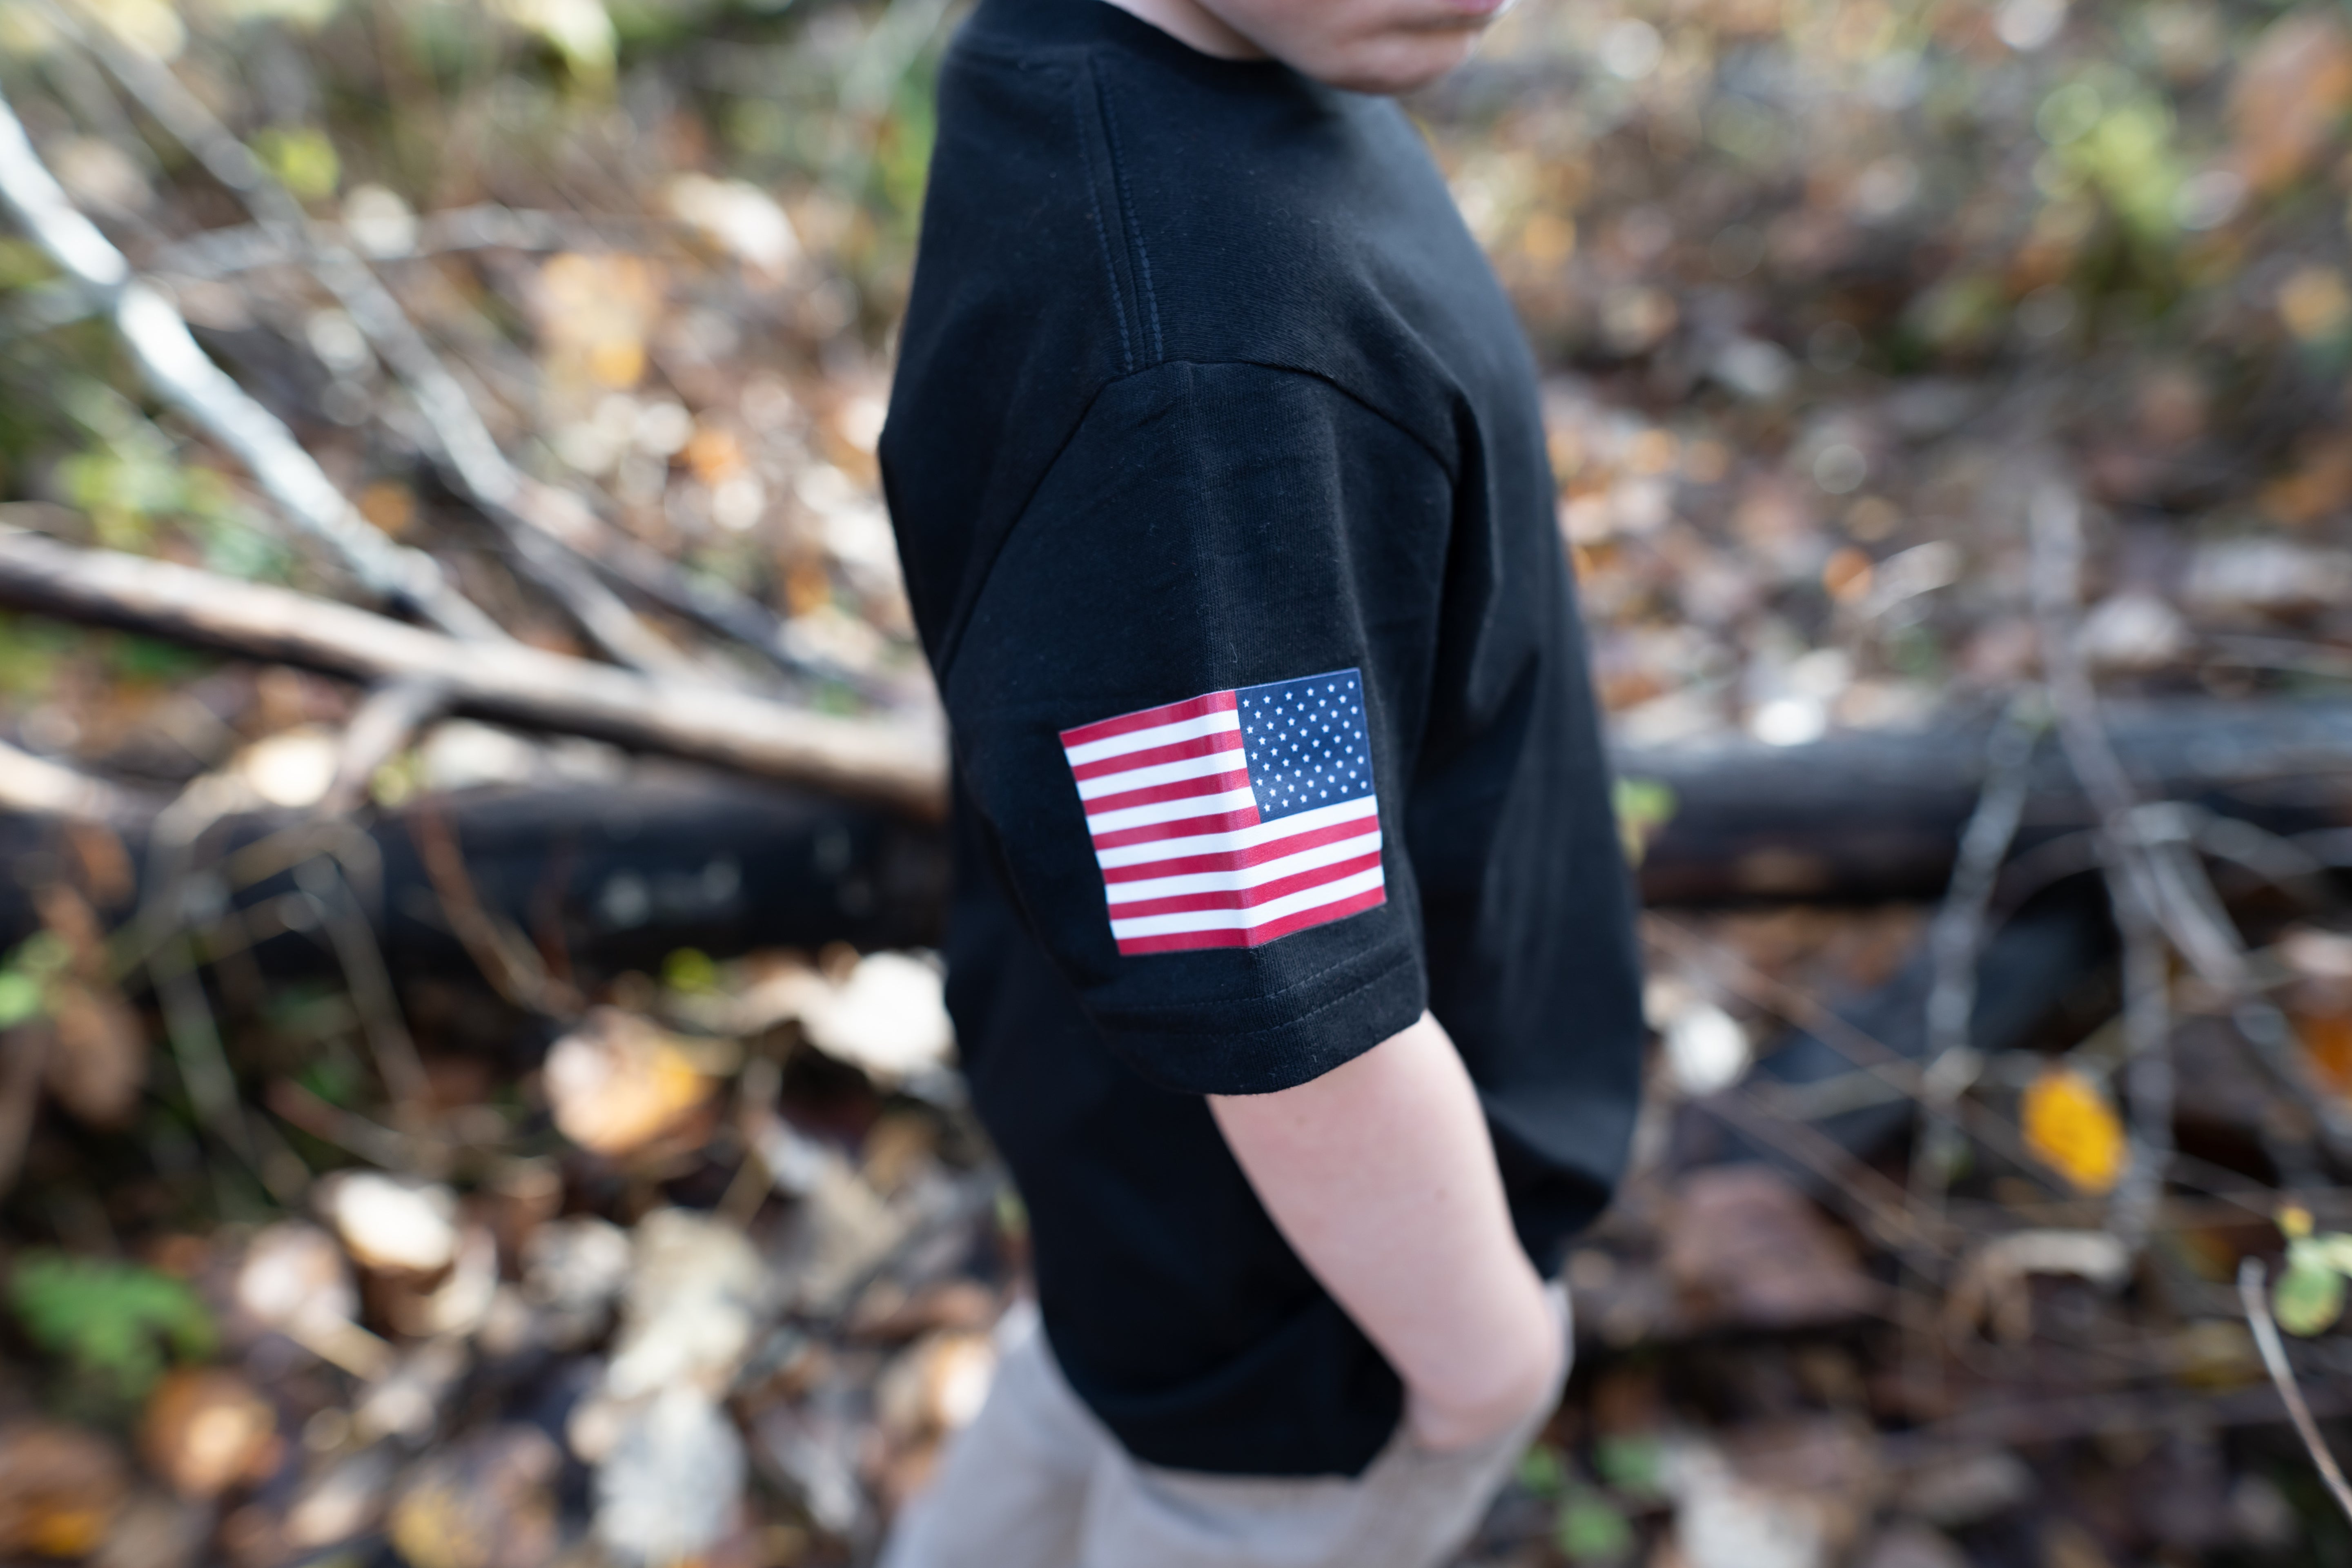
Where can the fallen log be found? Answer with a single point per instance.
(594, 879)
(898, 765)
(622, 872)
(1872, 816)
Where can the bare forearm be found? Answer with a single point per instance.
(1381, 1175)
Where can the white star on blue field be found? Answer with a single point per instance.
(1305, 741)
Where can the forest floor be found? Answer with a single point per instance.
(1910, 367)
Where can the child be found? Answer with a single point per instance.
(1290, 957)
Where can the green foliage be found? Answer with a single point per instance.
(691, 969)
(26, 976)
(303, 157)
(23, 264)
(1543, 1471)
(903, 152)
(2309, 1297)
(1590, 1528)
(1012, 1215)
(138, 658)
(1632, 1464)
(110, 1322)
(1643, 806)
(29, 650)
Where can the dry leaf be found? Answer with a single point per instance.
(672, 1487)
(206, 1430)
(889, 1016)
(484, 1503)
(2071, 1128)
(618, 1083)
(2289, 95)
(1750, 1250)
(697, 1293)
(98, 1065)
(595, 313)
(935, 1386)
(391, 1223)
(59, 1490)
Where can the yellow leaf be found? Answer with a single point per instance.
(2070, 1126)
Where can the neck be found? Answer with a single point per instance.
(1190, 22)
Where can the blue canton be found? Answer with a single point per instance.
(1306, 743)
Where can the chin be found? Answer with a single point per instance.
(1392, 66)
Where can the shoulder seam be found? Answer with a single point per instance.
(1128, 221)
(1085, 79)
(970, 597)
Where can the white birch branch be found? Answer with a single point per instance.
(181, 373)
(470, 454)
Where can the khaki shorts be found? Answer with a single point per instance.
(1035, 1481)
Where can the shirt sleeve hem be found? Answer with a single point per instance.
(1275, 1057)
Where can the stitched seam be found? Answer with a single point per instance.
(1405, 956)
(1134, 229)
(952, 643)
(1102, 243)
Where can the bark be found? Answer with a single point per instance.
(1878, 815)
(901, 765)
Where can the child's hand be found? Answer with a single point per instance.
(1443, 1420)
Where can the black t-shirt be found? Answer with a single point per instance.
(1219, 484)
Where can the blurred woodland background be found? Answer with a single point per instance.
(475, 1093)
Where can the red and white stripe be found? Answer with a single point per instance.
(1186, 861)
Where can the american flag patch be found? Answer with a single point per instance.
(1233, 818)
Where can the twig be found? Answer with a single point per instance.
(330, 1123)
(556, 535)
(2147, 886)
(226, 252)
(1955, 944)
(506, 960)
(370, 984)
(159, 340)
(393, 713)
(2162, 877)
(40, 787)
(468, 452)
(1865, 1051)
(1956, 937)
(1878, 1203)
(2251, 1293)
(188, 1021)
(24, 1059)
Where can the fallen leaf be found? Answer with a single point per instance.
(206, 1430)
(619, 1083)
(697, 1293)
(889, 1016)
(482, 1502)
(2071, 1128)
(673, 1484)
(391, 1223)
(935, 1386)
(1746, 1247)
(60, 1487)
(2288, 97)
(98, 1065)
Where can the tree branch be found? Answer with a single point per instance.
(179, 371)
(2267, 1336)
(898, 764)
(470, 454)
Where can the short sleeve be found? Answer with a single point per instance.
(1184, 703)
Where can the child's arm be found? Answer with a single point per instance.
(1381, 1173)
